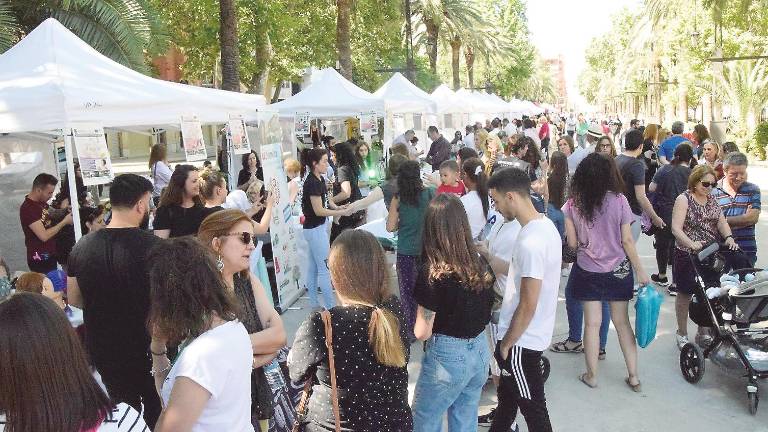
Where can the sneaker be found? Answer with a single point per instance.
(660, 281)
(601, 355)
(486, 419)
(565, 272)
(681, 341)
(672, 290)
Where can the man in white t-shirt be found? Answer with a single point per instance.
(469, 137)
(404, 138)
(527, 317)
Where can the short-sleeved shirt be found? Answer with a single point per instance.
(112, 273)
(599, 240)
(668, 146)
(633, 173)
(346, 173)
(537, 254)
(473, 205)
(313, 186)
(501, 242)
(747, 197)
(578, 155)
(389, 190)
(411, 224)
(220, 361)
(458, 190)
(671, 181)
(460, 311)
(181, 221)
(30, 212)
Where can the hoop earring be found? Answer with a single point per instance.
(219, 264)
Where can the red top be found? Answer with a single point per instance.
(29, 213)
(544, 131)
(457, 190)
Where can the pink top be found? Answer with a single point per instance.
(599, 241)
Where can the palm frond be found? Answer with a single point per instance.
(9, 27)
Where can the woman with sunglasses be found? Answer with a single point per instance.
(697, 221)
(229, 235)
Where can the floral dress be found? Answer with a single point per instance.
(701, 221)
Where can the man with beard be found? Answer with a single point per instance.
(108, 279)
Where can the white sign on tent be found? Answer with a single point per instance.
(92, 152)
(237, 135)
(369, 123)
(194, 143)
(301, 123)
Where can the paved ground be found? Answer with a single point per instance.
(668, 402)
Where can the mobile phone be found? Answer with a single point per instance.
(484, 232)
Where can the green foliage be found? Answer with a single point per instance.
(760, 140)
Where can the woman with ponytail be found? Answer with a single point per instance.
(476, 199)
(455, 295)
(370, 345)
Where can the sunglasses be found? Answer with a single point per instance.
(245, 237)
(707, 184)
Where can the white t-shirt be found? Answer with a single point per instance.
(578, 155)
(474, 208)
(501, 242)
(161, 176)
(401, 139)
(537, 254)
(469, 140)
(533, 133)
(220, 360)
(123, 419)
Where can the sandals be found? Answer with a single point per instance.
(562, 347)
(637, 388)
(583, 379)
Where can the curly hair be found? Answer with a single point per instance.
(447, 245)
(409, 184)
(595, 176)
(345, 156)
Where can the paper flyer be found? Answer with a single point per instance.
(301, 123)
(95, 162)
(194, 143)
(238, 136)
(369, 123)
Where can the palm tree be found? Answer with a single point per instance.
(343, 44)
(744, 85)
(228, 41)
(123, 30)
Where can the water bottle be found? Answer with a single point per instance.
(274, 375)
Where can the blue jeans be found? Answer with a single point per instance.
(556, 216)
(317, 267)
(452, 376)
(575, 311)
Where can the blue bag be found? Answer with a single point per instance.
(647, 314)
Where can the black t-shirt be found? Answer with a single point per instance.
(181, 221)
(111, 270)
(633, 173)
(459, 311)
(650, 159)
(313, 186)
(346, 173)
(244, 175)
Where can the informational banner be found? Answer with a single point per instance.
(369, 123)
(301, 123)
(192, 136)
(283, 232)
(92, 152)
(238, 136)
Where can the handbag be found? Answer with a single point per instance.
(301, 410)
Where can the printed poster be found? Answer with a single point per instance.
(95, 162)
(369, 123)
(283, 232)
(238, 136)
(301, 123)
(194, 143)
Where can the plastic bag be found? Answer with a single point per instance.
(647, 314)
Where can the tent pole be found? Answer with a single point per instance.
(74, 202)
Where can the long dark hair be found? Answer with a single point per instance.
(532, 155)
(684, 155)
(247, 156)
(311, 157)
(557, 182)
(409, 185)
(174, 193)
(447, 245)
(186, 289)
(47, 383)
(595, 176)
(479, 178)
(345, 156)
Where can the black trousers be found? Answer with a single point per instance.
(521, 387)
(665, 248)
(133, 388)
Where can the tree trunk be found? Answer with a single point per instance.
(343, 47)
(432, 34)
(682, 104)
(263, 57)
(230, 54)
(455, 61)
(469, 58)
(276, 95)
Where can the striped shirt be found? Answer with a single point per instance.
(747, 197)
(123, 419)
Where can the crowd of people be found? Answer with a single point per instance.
(179, 333)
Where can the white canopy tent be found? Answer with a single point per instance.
(447, 101)
(51, 79)
(402, 96)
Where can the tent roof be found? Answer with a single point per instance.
(402, 96)
(448, 102)
(330, 95)
(52, 78)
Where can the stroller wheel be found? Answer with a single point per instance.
(545, 368)
(754, 399)
(692, 363)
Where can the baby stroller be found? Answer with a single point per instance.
(737, 347)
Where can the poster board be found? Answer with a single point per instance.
(369, 123)
(238, 136)
(301, 123)
(93, 155)
(193, 141)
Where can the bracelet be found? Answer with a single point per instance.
(159, 354)
(728, 236)
(154, 373)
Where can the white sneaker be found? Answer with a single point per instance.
(681, 341)
(565, 272)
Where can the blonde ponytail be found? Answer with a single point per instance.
(384, 337)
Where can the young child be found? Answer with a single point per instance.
(449, 177)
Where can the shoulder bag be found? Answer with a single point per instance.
(301, 410)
